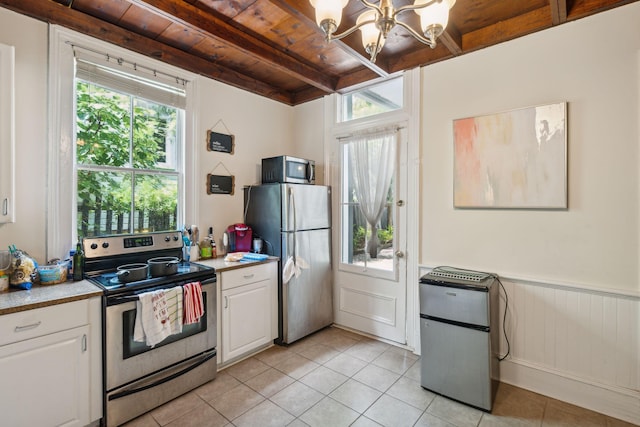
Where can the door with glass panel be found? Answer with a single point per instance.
(370, 282)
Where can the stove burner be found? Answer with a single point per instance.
(113, 279)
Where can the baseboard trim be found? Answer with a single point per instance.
(615, 402)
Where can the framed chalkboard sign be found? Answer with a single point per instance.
(220, 184)
(220, 142)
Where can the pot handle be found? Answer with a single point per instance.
(123, 273)
(170, 263)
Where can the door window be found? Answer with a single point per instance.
(367, 205)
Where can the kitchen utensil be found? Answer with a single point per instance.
(132, 272)
(163, 266)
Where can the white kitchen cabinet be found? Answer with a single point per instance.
(7, 137)
(248, 309)
(48, 366)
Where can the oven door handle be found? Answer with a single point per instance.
(205, 357)
(117, 300)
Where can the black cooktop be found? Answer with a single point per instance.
(187, 272)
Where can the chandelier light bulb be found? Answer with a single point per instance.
(328, 14)
(434, 18)
(371, 38)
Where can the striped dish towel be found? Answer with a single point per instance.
(192, 303)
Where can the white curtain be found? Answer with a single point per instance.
(372, 158)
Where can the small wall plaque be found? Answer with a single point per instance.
(220, 142)
(220, 184)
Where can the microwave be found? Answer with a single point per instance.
(288, 169)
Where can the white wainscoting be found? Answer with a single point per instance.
(574, 344)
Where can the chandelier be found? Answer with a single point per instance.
(378, 20)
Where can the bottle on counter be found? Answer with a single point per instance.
(78, 261)
(205, 248)
(212, 239)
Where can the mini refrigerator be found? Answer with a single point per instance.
(459, 335)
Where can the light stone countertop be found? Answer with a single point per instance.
(15, 300)
(221, 265)
(38, 296)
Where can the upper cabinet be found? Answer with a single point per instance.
(7, 134)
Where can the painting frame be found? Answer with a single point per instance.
(515, 159)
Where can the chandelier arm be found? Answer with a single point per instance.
(414, 7)
(418, 36)
(374, 6)
(351, 30)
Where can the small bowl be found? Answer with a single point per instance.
(52, 274)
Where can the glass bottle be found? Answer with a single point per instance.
(78, 262)
(214, 251)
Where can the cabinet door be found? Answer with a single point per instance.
(45, 380)
(246, 318)
(6, 134)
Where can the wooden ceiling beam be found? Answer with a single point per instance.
(207, 24)
(558, 11)
(509, 29)
(55, 13)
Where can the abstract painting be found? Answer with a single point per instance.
(512, 160)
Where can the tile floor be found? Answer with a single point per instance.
(337, 378)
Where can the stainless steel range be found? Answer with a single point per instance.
(137, 377)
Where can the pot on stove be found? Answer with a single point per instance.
(132, 272)
(163, 266)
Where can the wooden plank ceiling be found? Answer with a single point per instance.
(274, 48)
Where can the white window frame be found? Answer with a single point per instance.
(61, 176)
(340, 104)
(342, 129)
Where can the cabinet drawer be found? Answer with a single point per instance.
(28, 324)
(246, 275)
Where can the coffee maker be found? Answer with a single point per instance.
(240, 238)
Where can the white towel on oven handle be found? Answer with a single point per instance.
(192, 303)
(175, 308)
(152, 323)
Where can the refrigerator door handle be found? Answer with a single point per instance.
(311, 172)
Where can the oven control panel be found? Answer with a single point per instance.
(107, 246)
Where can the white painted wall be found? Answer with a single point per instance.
(593, 65)
(261, 127)
(308, 130)
(572, 277)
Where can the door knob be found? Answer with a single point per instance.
(399, 254)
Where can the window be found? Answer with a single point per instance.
(129, 133)
(379, 98)
(367, 206)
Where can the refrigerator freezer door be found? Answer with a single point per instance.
(456, 362)
(469, 306)
(307, 299)
(312, 207)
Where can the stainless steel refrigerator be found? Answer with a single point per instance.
(294, 222)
